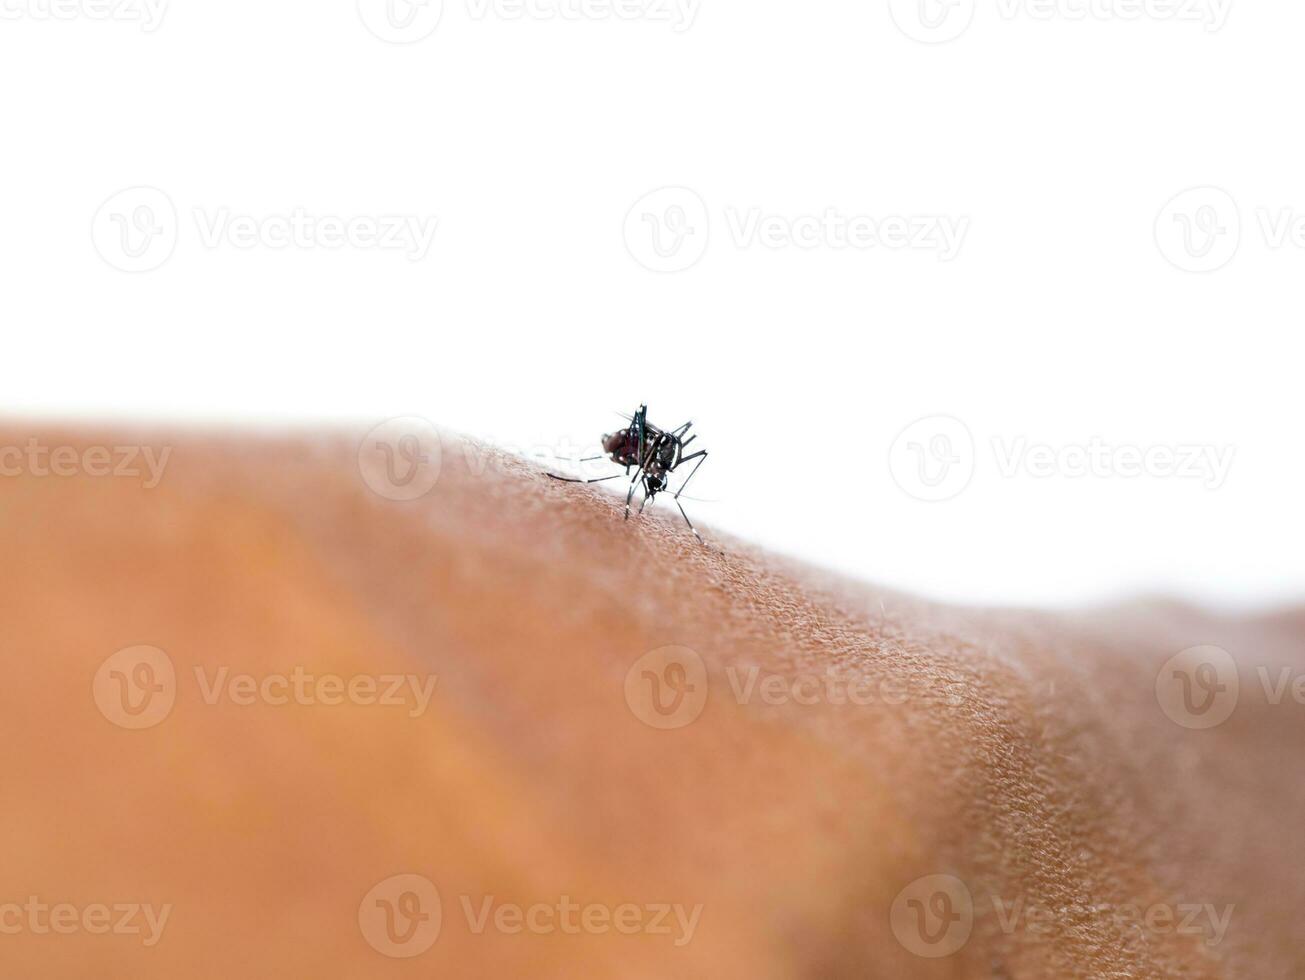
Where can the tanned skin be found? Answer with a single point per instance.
(1023, 754)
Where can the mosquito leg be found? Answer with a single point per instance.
(565, 459)
(573, 479)
(648, 428)
(700, 455)
(573, 462)
(689, 522)
(642, 416)
(629, 496)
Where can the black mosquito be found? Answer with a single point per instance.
(654, 454)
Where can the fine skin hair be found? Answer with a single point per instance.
(852, 741)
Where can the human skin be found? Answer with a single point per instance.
(1024, 754)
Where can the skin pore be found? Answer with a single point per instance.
(608, 750)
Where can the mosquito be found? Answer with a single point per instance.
(654, 454)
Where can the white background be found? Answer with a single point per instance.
(1056, 134)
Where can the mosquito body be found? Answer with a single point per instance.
(654, 454)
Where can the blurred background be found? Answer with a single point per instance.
(996, 302)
